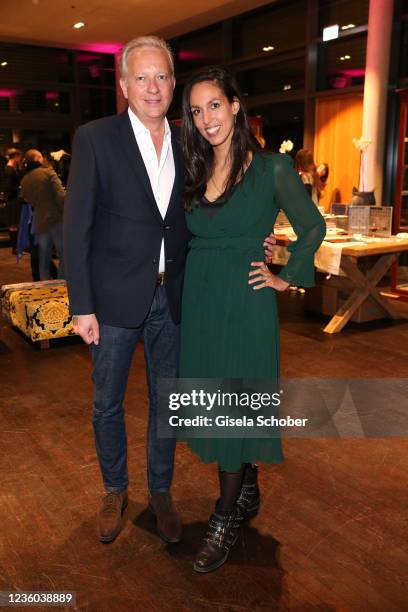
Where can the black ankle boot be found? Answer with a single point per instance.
(249, 499)
(223, 532)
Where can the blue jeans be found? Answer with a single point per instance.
(111, 364)
(45, 242)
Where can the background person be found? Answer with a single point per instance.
(306, 167)
(323, 172)
(12, 192)
(230, 325)
(42, 189)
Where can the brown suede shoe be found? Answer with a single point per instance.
(109, 517)
(168, 519)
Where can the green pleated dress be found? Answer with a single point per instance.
(229, 330)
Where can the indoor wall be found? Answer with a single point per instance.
(338, 120)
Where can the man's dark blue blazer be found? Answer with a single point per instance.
(113, 228)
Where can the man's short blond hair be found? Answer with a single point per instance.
(144, 41)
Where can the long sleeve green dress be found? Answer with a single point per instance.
(228, 330)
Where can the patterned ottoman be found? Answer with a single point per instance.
(39, 310)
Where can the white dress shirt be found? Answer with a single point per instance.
(161, 172)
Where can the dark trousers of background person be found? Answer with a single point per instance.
(111, 364)
(35, 263)
(13, 209)
(46, 241)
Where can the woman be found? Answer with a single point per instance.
(229, 325)
(306, 167)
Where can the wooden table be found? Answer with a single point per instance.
(364, 282)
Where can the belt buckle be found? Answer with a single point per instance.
(160, 279)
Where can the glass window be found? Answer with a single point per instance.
(346, 13)
(6, 95)
(175, 108)
(28, 101)
(281, 121)
(403, 64)
(404, 213)
(29, 63)
(110, 101)
(341, 63)
(96, 68)
(5, 140)
(109, 76)
(199, 48)
(90, 68)
(281, 27)
(282, 76)
(96, 102)
(64, 62)
(91, 102)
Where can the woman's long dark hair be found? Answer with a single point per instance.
(197, 151)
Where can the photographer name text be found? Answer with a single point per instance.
(226, 421)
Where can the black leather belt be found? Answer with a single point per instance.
(160, 279)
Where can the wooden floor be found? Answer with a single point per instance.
(332, 533)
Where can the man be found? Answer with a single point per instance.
(125, 245)
(12, 176)
(42, 189)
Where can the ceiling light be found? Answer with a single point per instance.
(287, 87)
(331, 32)
(268, 48)
(78, 25)
(347, 27)
(344, 57)
(4, 63)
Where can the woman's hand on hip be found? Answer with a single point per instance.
(269, 247)
(264, 277)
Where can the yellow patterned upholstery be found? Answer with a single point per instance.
(40, 310)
